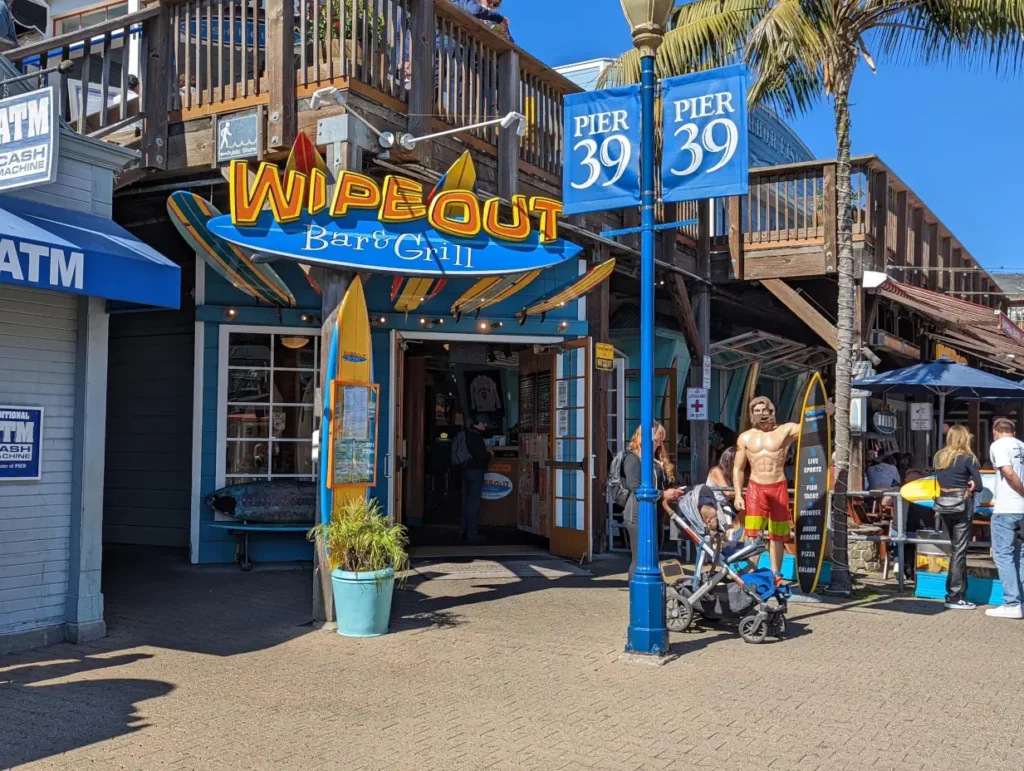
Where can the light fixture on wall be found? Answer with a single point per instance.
(563, 325)
(294, 342)
(229, 314)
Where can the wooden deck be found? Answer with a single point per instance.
(423, 65)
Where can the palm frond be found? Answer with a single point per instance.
(789, 56)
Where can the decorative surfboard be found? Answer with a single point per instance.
(461, 176)
(278, 502)
(312, 281)
(355, 359)
(304, 157)
(494, 293)
(924, 491)
(408, 294)
(811, 485)
(190, 215)
(572, 291)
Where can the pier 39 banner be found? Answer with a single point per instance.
(395, 226)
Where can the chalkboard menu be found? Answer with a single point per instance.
(544, 403)
(527, 404)
(353, 441)
(812, 485)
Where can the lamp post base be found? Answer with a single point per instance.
(647, 633)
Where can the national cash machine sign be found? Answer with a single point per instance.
(21, 430)
(395, 226)
(28, 139)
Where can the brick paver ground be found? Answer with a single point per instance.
(215, 669)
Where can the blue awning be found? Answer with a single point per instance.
(45, 247)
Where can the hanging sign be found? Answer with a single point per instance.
(705, 151)
(884, 422)
(696, 404)
(706, 373)
(920, 416)
(237, 136)
(393, 227)
(21, 442)
(604, 356)
(601, 168)
(29, 132)
(811, 484)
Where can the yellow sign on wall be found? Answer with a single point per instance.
(950, 353)
(604, 356)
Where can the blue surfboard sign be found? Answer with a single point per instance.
(361, 242)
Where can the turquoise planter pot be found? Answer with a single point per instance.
(362, 602)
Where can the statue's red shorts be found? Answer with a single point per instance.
(768, 509)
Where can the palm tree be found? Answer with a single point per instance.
(801, 50)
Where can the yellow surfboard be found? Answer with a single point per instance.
(573, 291)
(355, 360)
(924, 491)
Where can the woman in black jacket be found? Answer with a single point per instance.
(664, 475)
(956, 470)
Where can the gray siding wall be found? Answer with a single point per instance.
(148, 481)
(38, 333)
(80, 186)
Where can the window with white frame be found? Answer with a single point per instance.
(271, 379)
(86, 17)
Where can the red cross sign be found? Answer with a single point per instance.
(696, 404)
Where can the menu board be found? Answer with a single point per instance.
(812, 485)
(527, 403)
(544, 402)
(353, 458)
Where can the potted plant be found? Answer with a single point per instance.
(365, 549)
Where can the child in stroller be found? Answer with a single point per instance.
(721, 592)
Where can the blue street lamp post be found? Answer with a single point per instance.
(647, 633)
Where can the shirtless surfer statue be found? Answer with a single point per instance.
(765, 446)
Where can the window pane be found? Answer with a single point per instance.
(246, 350)
(247, 385)
(247, 458)
(293, 387)
(235, 480)
(293, 458)
(117, 10)
(248, 422)
(293, 422)
(293, 351)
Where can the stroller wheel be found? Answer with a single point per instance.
(779, 626)
(753, 630)
(678, 611)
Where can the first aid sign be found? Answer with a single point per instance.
(21, 434)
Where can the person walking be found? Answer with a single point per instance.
(956, 470)
(1007, 456)
(664, 475)
(473, 474)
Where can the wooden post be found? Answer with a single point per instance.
(699, 430)
(281, 117)
(156, 38)
(917, 258)
(945, 282)
(830, 216)
(736, 237)
(598, 305)
(879, 216)
(859, 338)
(508, 139)
(931, 276)
(902, 234)
(424, 58)
(956, 262)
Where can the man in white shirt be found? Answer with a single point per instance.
(1007, 456)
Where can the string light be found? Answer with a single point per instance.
(230, 314)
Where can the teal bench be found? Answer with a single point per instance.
(241, 532)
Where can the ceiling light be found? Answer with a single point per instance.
(294, 342)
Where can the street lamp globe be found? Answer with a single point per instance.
(647, 19)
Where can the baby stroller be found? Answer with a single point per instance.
(719, 592)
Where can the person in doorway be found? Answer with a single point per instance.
(882, 474)
(1007, 455)
(473, 475)
(664, 476)
(956, 470)
(766, 505)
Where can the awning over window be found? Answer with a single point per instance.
(45, 247)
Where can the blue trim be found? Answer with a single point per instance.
(45, 247)
(327, 378)
(264, 317)
(657, 228)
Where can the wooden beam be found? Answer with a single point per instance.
(736, 236)
(281, 117)
(917, 256)
(598, 306)
(830, 219)
(945, 282)
(508, 139)
(803, 310)
(879, 216)
(681, 301)
(424, 55)
(956, 262)
(902, 232)
(700, 431)
(156, 61)
(931, 276)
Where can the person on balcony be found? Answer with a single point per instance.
(486, 11)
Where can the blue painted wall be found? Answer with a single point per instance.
(215, 546)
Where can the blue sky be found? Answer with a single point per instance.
(956, 137)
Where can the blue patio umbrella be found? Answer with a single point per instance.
(944, 378)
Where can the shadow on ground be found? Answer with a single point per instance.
(42, 719)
